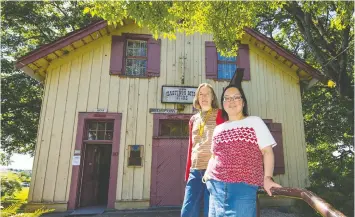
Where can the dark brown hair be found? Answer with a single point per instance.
(245, 107)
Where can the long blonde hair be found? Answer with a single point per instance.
(214, 103)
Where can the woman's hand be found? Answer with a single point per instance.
(269, 183)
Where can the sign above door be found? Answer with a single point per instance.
(177, 94)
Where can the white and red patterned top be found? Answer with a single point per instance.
(236, 149)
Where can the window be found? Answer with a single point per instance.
(174, 128)
(226, 67)
(223, 68)
(136, 58)
(99, 130)
(135, 55)
(135, 155)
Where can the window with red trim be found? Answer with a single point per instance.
(135, 55)
(223, 68)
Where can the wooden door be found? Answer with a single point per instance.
(168, 172)
(94, 185)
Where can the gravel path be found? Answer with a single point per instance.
(163, 213)
(275, 213)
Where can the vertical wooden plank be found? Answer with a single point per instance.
(303, 141)
(261, 89)
(62, 174)
(172, 65)
(113, 94)
(164, 70)
(95, 79)
(280, 109)
(272, 101)
(56, 134)
(202, 76)
(41, 127)
(81, 105)
(296, 149)
(130, 138)
(105, 76)
(271, 91)
(195, 58)
(141, 127)
(247, 92)
(180, 55)
(189, 70)
(298, 144)
(48, 124)
(152, 103)
(114, 87)
(254, 67)
(123, 96)
(289, 134)
(85, 81)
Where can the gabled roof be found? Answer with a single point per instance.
(35, 62)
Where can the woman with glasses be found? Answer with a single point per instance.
(242, 158)
(201, 127)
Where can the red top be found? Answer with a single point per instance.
(219, 120)
(236, 148)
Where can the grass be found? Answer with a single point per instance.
(22, 195)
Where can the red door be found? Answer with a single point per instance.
(94, 185)
(168, 172)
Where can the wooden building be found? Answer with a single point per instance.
(116, 104)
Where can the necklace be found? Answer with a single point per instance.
(201, 127)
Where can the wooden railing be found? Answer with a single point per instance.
(317, 203)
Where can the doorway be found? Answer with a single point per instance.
(95, 175)
(169, 153)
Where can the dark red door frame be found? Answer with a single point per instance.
(79, 145)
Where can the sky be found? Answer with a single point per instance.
(21, 161)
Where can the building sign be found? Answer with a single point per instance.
(175, 94)
(100, 110)
(76, 160)
(164, 111)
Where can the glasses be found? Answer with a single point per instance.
(232, 98)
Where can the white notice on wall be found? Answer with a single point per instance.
(76, 160)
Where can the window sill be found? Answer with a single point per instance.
(97, 141)
(170, 137)
(130, 76)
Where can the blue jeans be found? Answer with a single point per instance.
(231, 199)
(195, 192)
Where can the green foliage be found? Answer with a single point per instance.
(20, 107)
(12, 211)
(24, 177)
(329, 125)
(323, 29)
(10, 184)
(26, 25)
(4, 159)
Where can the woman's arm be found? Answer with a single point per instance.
(268, 157)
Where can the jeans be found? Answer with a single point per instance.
(195, 194)
(231, 199)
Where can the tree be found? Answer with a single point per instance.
(25, 26)
(329, 131)
(322, 25)
(328, 115)
(10, 183)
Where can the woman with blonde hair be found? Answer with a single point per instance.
(201, 128)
